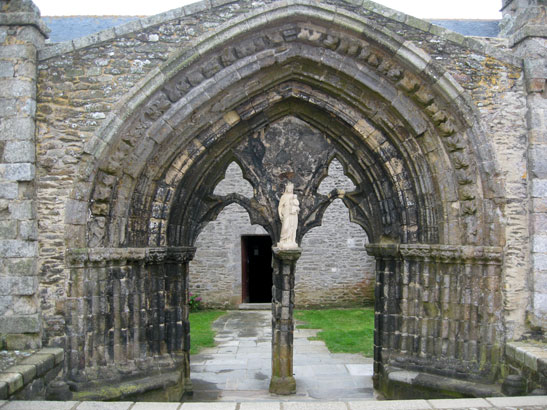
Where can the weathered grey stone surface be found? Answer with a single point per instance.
(112, 145)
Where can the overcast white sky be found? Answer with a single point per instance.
(425, 9)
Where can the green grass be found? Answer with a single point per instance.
(201, 333)
(343, 330)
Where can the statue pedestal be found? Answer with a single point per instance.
(284, 265)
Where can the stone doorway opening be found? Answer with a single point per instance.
(256, 268)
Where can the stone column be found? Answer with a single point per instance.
(284, 266)
(21, 34)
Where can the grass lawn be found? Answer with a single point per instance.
(343, 330)
(201, 334)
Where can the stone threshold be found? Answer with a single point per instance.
(15, 378)
(523, 403)
(255, 306)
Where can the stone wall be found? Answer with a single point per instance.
(21, 35)
(334, 269)
(524, 25)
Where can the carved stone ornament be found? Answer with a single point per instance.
(288, 213)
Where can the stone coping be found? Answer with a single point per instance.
(14, 378)
(474, 44)
(523, 403)
(529, 354)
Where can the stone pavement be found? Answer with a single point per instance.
(239, 367)
(496, 403)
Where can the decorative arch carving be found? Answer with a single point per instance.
(399, 123)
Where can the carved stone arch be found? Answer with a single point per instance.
(401, 123)
(422, 64)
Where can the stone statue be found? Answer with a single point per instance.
(288, 213)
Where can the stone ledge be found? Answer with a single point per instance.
(529, 359)
(85, 256)
(15, 378)
(435, 383)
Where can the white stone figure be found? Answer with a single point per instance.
(288, 213)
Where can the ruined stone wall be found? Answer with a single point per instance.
(524, 25)
(334, 269)
(80, 82)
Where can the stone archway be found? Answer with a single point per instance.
(407, 137)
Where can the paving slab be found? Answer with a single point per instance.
(519, 401)
(360, 369)
(459, 403)
(260, 406)
(390, 405)
(315, 406)
(209, 406)
(156, 406)
(99, 405)
(39, 405)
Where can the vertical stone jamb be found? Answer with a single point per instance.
(525, 23)
(284, 266)
(185, 256)
(22, 33)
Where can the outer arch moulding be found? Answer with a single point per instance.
(412, 57)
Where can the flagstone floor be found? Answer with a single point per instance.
(239, 367)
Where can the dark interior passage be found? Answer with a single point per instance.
(256, 262)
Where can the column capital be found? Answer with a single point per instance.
(287, 255)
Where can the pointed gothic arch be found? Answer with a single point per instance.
(399, 122)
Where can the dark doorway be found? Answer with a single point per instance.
(256, 264)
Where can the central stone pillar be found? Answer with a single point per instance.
(284, 266)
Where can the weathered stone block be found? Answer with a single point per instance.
(28, 372)
(3, 390)
(7, 69)
(5, 304)
(18, 249)
(9, 190)
(539, 188)
(24, 305)
(538, 164)
(58, 353)
(17, 88)
(540, 282)
(28, 230)
(18, 285)
(18, 172)
(19, 151)
(20, 266)
(8, 229)
(21, 128)
(75, 211)
(539, 243)
(18, 51)
(22, 210)
(13, 380)
(43, 362)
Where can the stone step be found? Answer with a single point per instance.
(255, 306)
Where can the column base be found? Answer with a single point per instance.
(283, 385)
